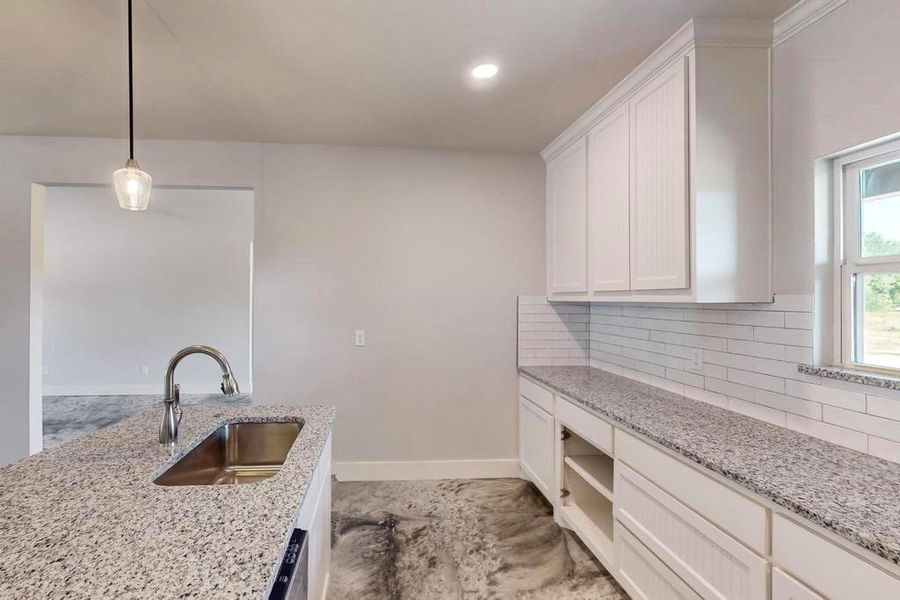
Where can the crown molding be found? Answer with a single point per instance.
(802, 15)
(719, 33)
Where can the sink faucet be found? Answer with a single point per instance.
(168, 429)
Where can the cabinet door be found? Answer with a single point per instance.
(785, 587)
(608, 207)
(536, 446)
(567, 221)
(659, 182)
(642, 574)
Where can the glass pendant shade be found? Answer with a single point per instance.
(132, 186)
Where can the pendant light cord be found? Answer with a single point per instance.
(130, 91)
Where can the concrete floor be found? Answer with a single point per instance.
(460, 539)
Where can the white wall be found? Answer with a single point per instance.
(427, 250)
(836, 85)
(124, 290)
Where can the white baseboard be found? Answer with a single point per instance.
(132, 389)
(426, 469)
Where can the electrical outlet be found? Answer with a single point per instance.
(359, 337)
(145, 370)
(696, 359)
(46, 371)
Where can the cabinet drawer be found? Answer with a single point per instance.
(826, 566)
(537, 394)
(710, 561)
(785, 587)
(736, 514)
(643, 575)
(593, 429)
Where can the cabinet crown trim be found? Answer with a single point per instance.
(800, 16)
(699, 32)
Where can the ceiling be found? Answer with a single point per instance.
(364, 72)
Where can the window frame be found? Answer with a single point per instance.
(848, 260)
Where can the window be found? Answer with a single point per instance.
(868, 186)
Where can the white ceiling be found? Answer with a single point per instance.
(369, 72)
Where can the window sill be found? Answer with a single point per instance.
(844, 374)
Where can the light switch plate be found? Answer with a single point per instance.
(359, 337)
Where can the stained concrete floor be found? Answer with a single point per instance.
(460, 539)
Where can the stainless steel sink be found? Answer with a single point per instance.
(235, 453)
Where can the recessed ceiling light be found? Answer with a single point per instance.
(485, 71)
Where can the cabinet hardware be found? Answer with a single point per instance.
(564, 493)
(564, 435)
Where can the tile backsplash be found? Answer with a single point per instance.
(742, 357)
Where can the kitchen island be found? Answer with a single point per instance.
(85, 520)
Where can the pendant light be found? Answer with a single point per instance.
(132, 185)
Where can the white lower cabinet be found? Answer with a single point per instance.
(713, 563)
(826, 567)
(667, 528)
(642, 574)
(785, 587)
(536, 446)
(315, 518)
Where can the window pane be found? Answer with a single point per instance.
(880, 211)
(878, 320)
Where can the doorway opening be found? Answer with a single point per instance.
(116, 293)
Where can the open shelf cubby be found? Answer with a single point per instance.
(588, 505)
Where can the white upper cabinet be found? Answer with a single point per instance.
(661, 191)
(608, 206)
(566, 216)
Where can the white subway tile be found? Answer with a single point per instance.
(620, 340)
(826, 395)
(760, 349)
(571, 344)
(798, 320)
(730, 388)
(609, 348)
(578, 318)
(798, 355)
(541, 318)
(757, 380)
(532, 362)
(880, 406)
(830, 433)
(710, 370)
(757, 411)
(804, 408)
(885, 428)
(739, 361)
(684, 377)
(531, 344)
(653, 313)
(756, 317)
(707, 396)
(788, 337)
(706, 343)
(668, 337)
(780, 368)
(706, 315)
(885, 449)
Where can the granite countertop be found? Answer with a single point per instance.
(855, 495)
(84, 520)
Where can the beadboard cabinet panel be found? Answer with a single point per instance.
(608, 204)
(659, 192)
(567, 221)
